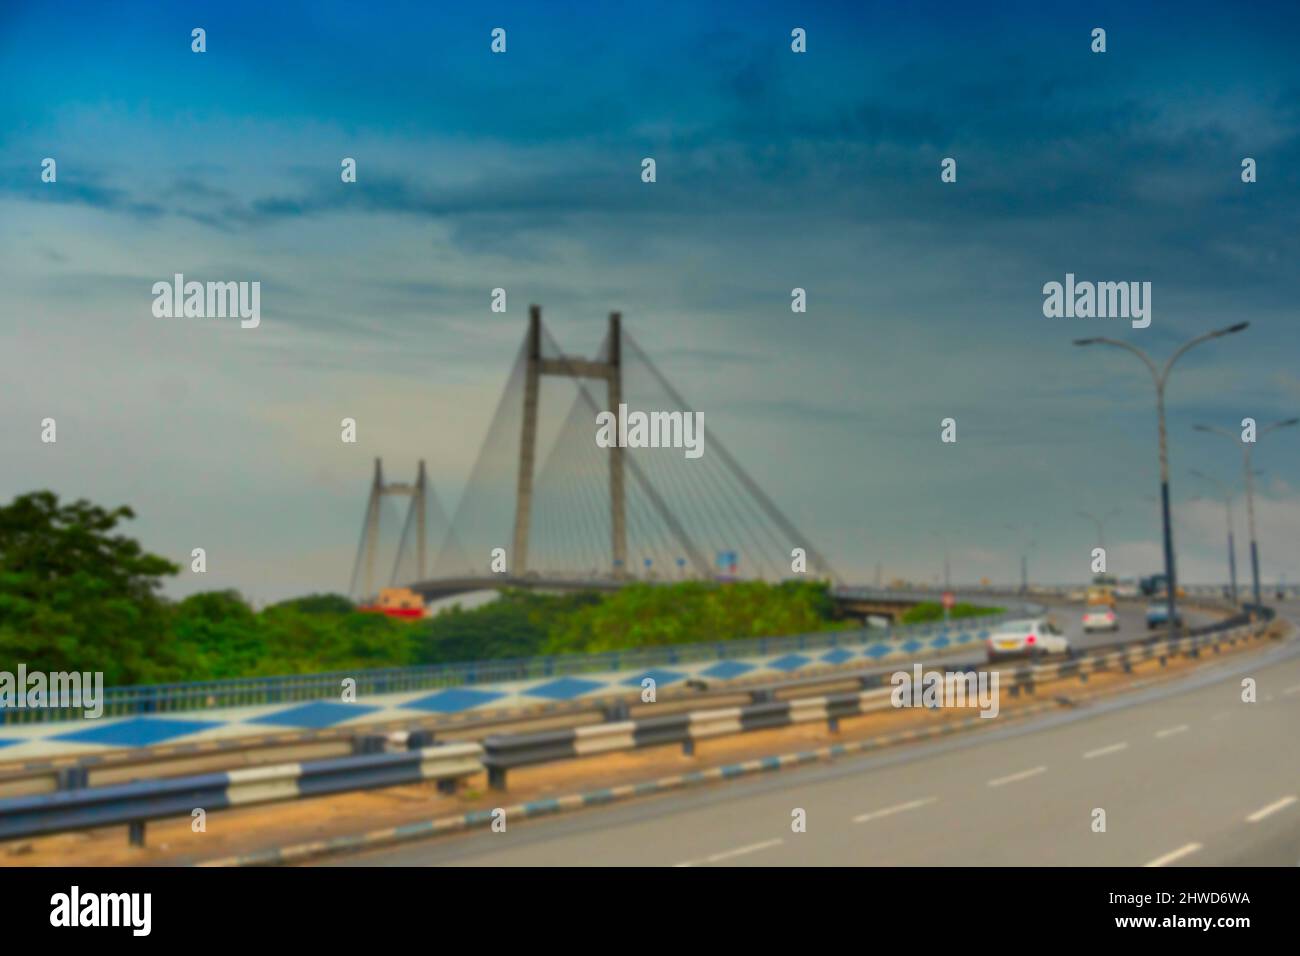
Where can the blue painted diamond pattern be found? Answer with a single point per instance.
(138, 731)
(662, 678)
(566, 688)
(317, 715)
(726, 670)
(454, 700)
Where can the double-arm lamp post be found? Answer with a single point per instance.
(1161, 378)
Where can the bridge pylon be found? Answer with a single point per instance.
(535, 367)
(417, 515)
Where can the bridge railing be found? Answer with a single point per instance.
(147, 699)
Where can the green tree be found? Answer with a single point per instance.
(930, 611)
(76, 596)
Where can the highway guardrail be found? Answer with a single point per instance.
(136, 803)
(506, 752)
(101, 769)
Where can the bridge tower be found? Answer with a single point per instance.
(418, 493)
(610, 371)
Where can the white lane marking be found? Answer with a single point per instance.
(1170, 731)
(1024, 774)
(1292, 690)
(1178, 854)
(898, 808)
(739, 851)
(1102, 751)
(1271, 809)
(1222, 715)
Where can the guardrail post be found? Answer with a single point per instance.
(496, 778)
(135, 833)
(615, 711)
(447, 786)
(72, 778)
(688, 747)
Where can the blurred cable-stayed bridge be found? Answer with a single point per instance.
(567, 512)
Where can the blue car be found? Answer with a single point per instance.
(1158, 615)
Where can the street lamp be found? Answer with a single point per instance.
(943, 539)
(1250, 488)
(1100, 523)
(1227, 504)
(1161, 377)
(947, 580)
(1024, 556)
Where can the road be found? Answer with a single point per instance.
(1132, 622)
(1187, 773)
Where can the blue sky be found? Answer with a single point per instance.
(775, 170)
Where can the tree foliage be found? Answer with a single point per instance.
(74, 595)
(645, 615)
(77, 595)
(930, 611)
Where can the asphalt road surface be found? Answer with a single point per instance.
(1187, 774)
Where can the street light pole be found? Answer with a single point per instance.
(947, 580)
(1024, 556)
(1161, 377)
(1100, 523)
(1250, 489)
(1226, 492)
(943, 539)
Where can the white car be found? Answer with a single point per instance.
(1100, 617)
(1035, 635)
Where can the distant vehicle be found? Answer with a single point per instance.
(397, 602)
(1158, 615)
(1100, 617)
(1078, 594)
(1127, 588)
(1157, 585)
(1153, 584)
(1101, 595)
(1028, 636)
